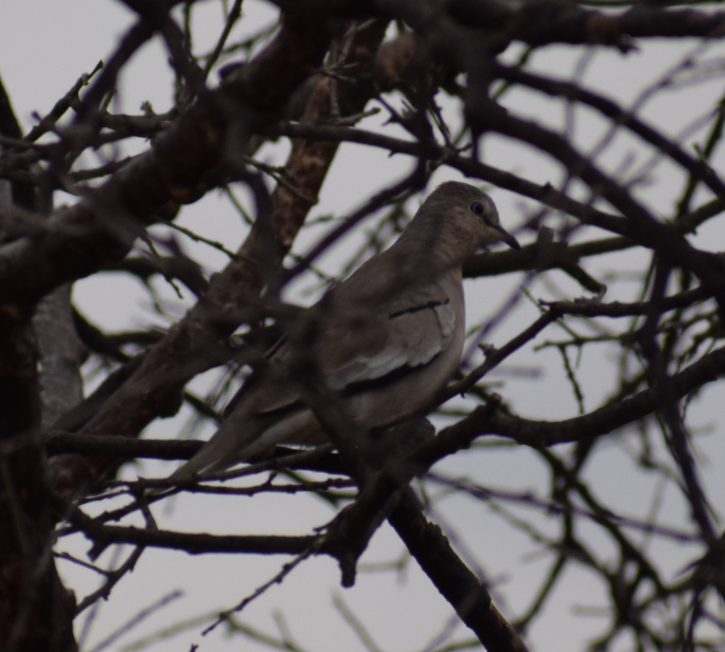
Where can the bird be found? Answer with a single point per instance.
(384, 341)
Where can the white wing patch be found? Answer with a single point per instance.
(413, 337)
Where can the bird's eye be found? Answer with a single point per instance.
(477, 208)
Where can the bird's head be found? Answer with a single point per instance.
(469, 213)
(463, 213)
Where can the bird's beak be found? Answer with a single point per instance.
(508, 238)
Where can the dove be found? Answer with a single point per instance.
(383, 342)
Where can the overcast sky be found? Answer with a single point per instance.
(45, 45)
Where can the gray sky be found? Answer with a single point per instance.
(45, 45)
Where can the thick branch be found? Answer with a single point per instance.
(606, 419)
(102, 227)
(463, 590)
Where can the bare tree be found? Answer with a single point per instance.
(327, 66)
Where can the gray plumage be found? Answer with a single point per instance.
(385, 340)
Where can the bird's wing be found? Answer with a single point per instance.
(355, 345)
(271, 391)
(358, 345)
